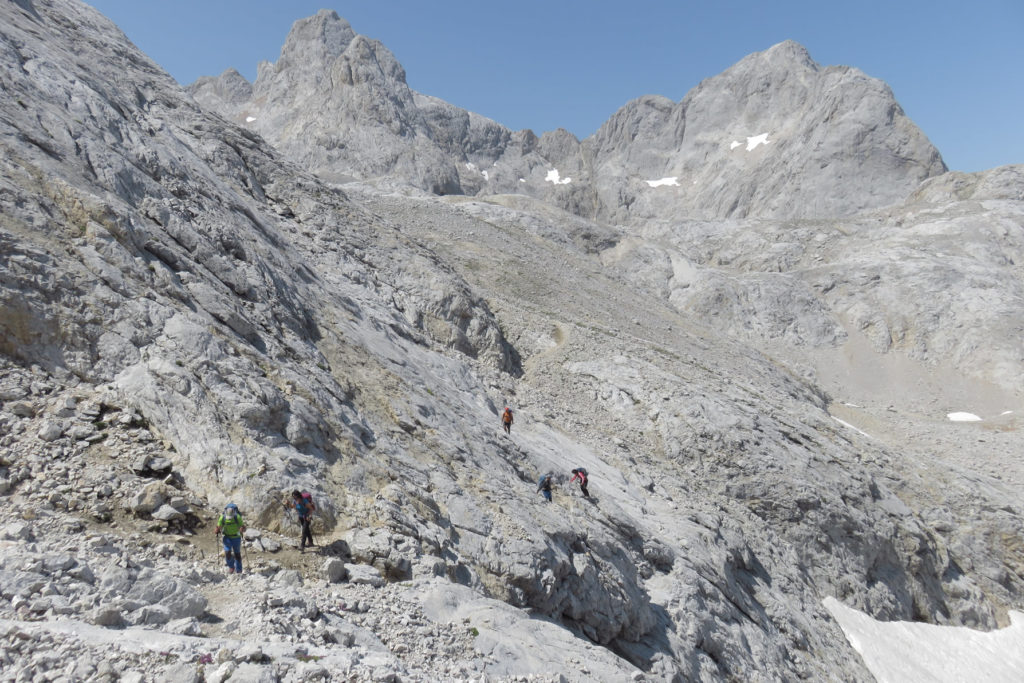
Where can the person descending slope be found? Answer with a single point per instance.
(581, 475)
(304, 507)
(506, 420)
(232, 526)
(544, 485)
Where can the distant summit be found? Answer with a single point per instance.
(776, 135)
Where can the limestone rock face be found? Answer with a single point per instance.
(205, 321)
(337, 101)
(775, 135)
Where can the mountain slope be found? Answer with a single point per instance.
(189, 318)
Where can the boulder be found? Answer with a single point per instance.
(334, 570)
(179, 598)
(363, 574)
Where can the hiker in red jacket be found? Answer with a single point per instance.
(506, 420)
(580, 475)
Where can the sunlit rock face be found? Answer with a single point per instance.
(188, 317)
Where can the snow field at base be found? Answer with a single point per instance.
(900, 651)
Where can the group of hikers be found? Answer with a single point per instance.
(547, 480)
(231, 526)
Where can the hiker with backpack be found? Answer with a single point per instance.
(544, 485)
(506, 420)
(231, 525)
(302, 503)
(581, 475)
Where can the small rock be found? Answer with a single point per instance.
(334, 570)
(107, 616)
(364, 574)
(167, 513)
(248, 652)
(17, 531)
(269, 545)
(178, 673)
(51, 431)
(185, 627)
(22, 409)
(160, 464)
(81, 432)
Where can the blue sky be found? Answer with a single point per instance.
(957, 68)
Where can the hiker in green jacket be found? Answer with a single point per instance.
(231, 525)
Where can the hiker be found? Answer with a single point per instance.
(544, 485)
(303, 505)
(581, 474)
(231, 525)
(506, 420)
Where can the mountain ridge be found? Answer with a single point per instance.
(871, 145)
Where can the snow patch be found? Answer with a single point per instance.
(735, 144)
(522, 180)
(761, 139)
(672, 182)
(850, 426)
(851, 405)
(484, 174)
(1006, 412)
(963, 417)
(250, 119)
(553, 177)
(912, 651)
(470, 166)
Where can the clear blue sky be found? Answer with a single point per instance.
(957, 68)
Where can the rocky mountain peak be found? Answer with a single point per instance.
(316, 40)
(788, 53)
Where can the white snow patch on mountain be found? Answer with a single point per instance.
(963, 417)
(735, 144)
(553, 177)
(522, 180)
(847, 424)
(911, 651)
(761, 139)
(484, 174)
(1006, 412)
(250, 119)
(672, 181)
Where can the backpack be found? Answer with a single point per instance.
(307, 499)
(583, 472)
